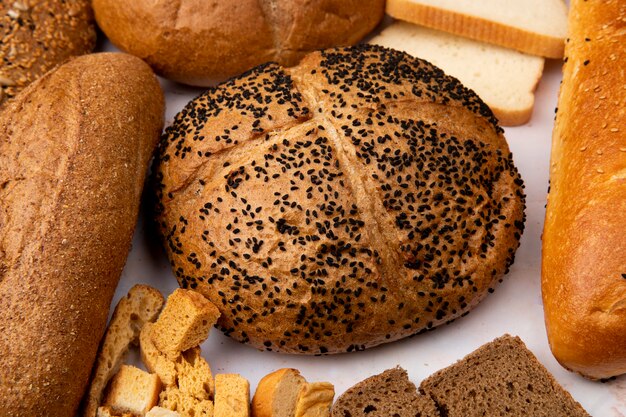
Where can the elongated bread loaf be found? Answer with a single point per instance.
(584, 237)
(74, 150)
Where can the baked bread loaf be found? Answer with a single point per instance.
(536, 27)
(139, 307)
(74, 151)
(358, 198)
(584, 244)
(38, 35)
(501, 378)
(503, 78)
(200, 44)
(277, 393)
(390, 393)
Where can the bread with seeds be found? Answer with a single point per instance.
(202, 45)
(38, 35)
(358, 198)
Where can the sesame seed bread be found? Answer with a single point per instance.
(535, 27)
(277, 393)
(74, 152)
(141, 305)
(505, 79)
(232, 396)
(387, 394)
(38, 35)
(315, 399)
(356, 199)
(500, 378)
(198, 45)
(133, 391)
(184, 323)
(584, 244)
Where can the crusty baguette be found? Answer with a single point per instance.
(584, 239)
(38, 35)
(141, 305)
(535, 27)
(277, 393)
(74, 151)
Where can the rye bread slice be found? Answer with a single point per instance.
(501, 378)
(387, 394)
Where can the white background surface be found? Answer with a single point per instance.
(514, 308)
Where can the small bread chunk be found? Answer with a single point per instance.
(133, 391)
(185, 322)
(161, 412)
(500, 378)
(106, 411)
(194, 375)
(277, 393)
(154, 360)
(187, 406)
(232, 396)
(387, 394)
(315, 399)
(141, 305)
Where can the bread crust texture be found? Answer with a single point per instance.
(356, 199)
(198, 44)
(74, 154)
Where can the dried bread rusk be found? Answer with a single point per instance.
(38, 35)
(584, 239)
(74, 152)
(358, 198)
(200, 43)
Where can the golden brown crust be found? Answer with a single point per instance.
(477, 28)
(188, 42)
(584, 244)
(38, 35)
(270, 393)
(74, 152)
(358, 198)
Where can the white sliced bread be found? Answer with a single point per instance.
(505, 79)
(277, 393)
(141, 306)
(536, 27)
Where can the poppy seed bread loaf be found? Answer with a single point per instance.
(199, 42)
(356, 199)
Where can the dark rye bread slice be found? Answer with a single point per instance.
(501, 378)
(389, 394)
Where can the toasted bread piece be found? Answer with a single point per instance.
(174, 399)
(232, 396)
(194, 377)
(106, 411)
(536, 27)
(315, 399)
(277, 393)
(185, 322)
(141, 305)
(155, 360)
(162, 412)
(505, 79)
(133, 391)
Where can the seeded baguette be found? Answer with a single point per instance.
(584, 244)
(38, 35)
(356, 199)
(74, 151)
(202, 45)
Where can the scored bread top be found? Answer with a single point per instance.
(356, 199)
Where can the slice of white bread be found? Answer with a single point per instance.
(133, 391)
(184, 323)
(140, 306)
(536, 27)
(315, 399)
(277, 393)
(505, 79)
(232, 396)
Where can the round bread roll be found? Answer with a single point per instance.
(38, 35)
(198, 43)
(356, 199)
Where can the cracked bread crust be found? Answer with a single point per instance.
(356, 199)
(229, 37)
